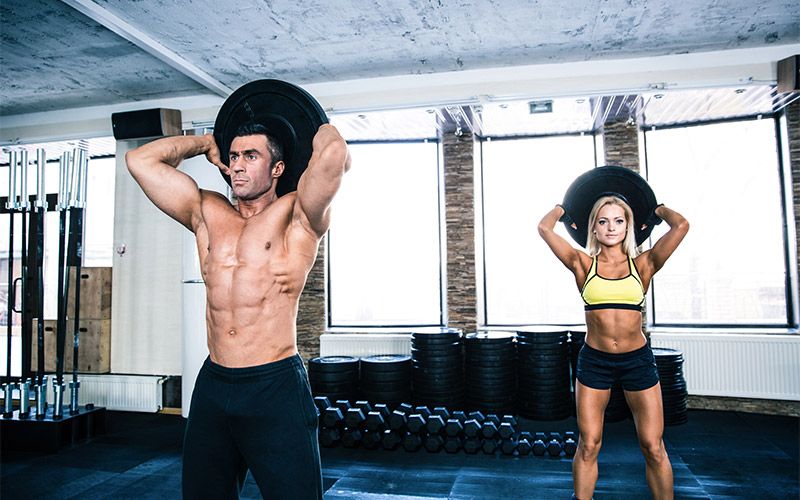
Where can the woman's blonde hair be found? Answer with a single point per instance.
(628, 244)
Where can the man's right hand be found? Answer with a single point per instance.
(213, 154)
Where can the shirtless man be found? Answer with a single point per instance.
(252, 406)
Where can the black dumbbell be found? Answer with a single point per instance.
(556, 436)
(329, 437)
(405, 408)
(460, 415)
(374, 421)
(476, 415)
(354, 418)
(412, 442)
(332, 417)
(523, 446)
(489, 446)
(570, 435)
(492, 418)
(364, 405)
(570, 447)
(510, 419)
(472, 445)
(415, 423)
(508, 446)
(453, 443)
(554, 448)
(351, 438)
(539, 448)
(321, 402)
(442, 412)
(506, 430)
(453, 427)
(343, 405)
(472, 428)
(423, 410)
(390, 440)
(397, 420)
(382, 409)
(435, 424)
(489, 428)
(434, 443)
(371, 439)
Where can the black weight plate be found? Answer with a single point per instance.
(490, 337)
(333, 378)
(598, 182)
(333, 363)
(290, 114)
(385, 362)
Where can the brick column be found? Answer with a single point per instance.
(793, 124)
(311, 322)
(621, 144)
(459, 184)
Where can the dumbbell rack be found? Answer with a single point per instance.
(48, 434)
(361, 424)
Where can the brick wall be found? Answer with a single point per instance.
(621, 144)
(793, 123)
(460, 219)
(311, 319)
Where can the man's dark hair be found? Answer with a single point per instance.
(273, 145)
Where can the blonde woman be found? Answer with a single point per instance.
(613, 280)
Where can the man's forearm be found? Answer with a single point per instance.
(171, 150)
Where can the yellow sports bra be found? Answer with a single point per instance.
(613, 293)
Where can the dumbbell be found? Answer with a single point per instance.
(434, 442)
(351, 437)
(397, 420)
(459, 415)
(332, 417)
(371, 439)
(523, 446)
(539, 448)
(423, 410)
(442, 412)
(343, 405)
(506, 430)
(453, 443)
(390, 440)
(405, 408)
(492, 418)
(416, 423)
(354, 418)
(329, 437)
(472, 428)
(489, 446)
(364, 406)
(472, 445)
(554, 448)
(509, 419)
(570, 445)
(374, 421)
(435, 424)
(489, 428)
(321, 402)
(412, 442)
(382, 409)
(508, 446)
(476, 415)
(453, 427)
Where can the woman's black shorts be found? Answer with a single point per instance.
(634, 370)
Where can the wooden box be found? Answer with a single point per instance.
(94, 348)
(95, 293)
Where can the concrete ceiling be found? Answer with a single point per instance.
(63, 54)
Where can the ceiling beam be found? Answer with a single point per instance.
(148, 44)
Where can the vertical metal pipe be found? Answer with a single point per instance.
(41, 397)
(24, 398)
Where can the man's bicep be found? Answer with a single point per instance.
(173, 192)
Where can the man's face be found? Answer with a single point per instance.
(249, 166)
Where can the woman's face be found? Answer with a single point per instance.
(610, 226)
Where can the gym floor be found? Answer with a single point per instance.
(717, 455)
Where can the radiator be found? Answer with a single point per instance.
(119, 392)
(364, 344)
(738, 365)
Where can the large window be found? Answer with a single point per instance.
(731, 268)
(384, 245)
(98, 233)
(522, 180)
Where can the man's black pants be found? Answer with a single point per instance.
(260, 418)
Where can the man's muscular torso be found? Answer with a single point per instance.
(254, 271)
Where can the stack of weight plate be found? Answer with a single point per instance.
(335, 377)
(491, 371)
(386, 378)
(673, 386)
(543, 373)
(438, 368)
